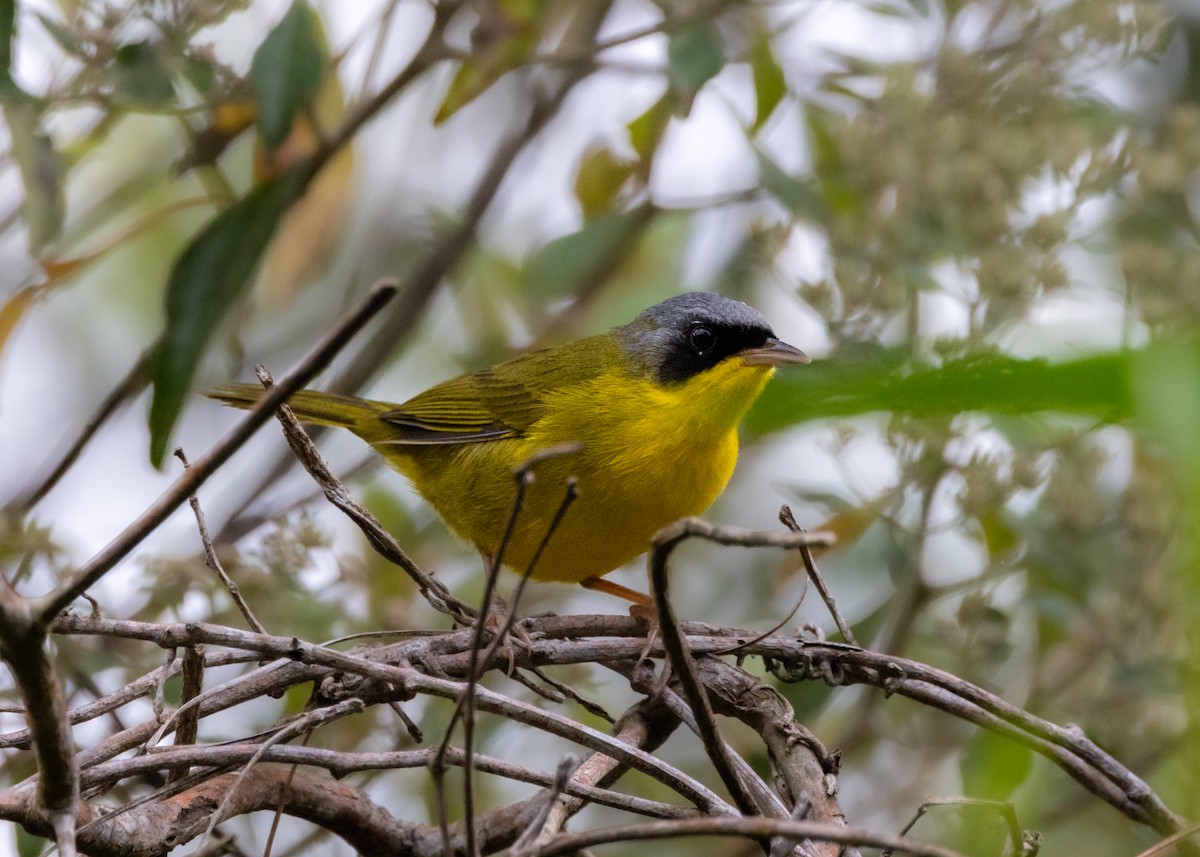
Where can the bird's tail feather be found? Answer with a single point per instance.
(326, 409)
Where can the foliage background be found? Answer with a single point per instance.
(979, 217)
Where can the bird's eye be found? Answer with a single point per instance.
(702, 339)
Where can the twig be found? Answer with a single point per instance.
(50, 606)
(343, 763)
(187, 728)
(1168, 844)
(211, 560)
(384, 543)
(664, 542)
(22, 645)
(128, 387)
(1002, 807)
(310, 721)
(751, 827)
(789, 520)
(524, 477)
(562, 774)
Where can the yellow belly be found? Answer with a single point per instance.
(649, 456)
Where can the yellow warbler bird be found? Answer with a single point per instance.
(653, 405)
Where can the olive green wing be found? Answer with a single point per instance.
(500, 402)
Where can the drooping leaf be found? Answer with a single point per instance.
(694, 57)
(769, 83)
(287, 70)
(884, 381)
(140, 77)
(205, 282)
(470, 81)
(505, 36)
(558, 268)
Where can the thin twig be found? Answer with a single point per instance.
(562, 775)
(384, 543)
(127, 388)
(524, 477)
(310, 721)
(214, 564)
(810, 567)
(751, 827)
(1002, 807)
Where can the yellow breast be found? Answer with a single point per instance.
(650, 455)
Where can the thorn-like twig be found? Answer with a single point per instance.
(302, 446)
(1002, 807)
(525, 843)
(810, 567)
(211, 560)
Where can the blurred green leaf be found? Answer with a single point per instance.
(599, 180)
(828, 166)
(29, 845)
(8, 31)
(885, 381)
(559, 267)
(694, 56)
(139, 76)
(769, 83)
(647, 129)
(200, 73)
(798, 196)
(470, 81)
(505, 36)
(44, 205)
(993, 766)
(206, 280)
(287, 71)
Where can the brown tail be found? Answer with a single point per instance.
(361, 416)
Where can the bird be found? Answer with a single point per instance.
(649, 412)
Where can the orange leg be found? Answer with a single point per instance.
(642, 604)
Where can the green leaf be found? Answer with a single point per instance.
(8, 32)
(559, 267)
(769, 83)
(694, 56)
(29, 845)
(646, 130)
(599, 180)
(798, 196)
(44, 205)
(287, 71)
(885, 381)
(205, 282)
(993, 766)
(139, 76)
(472, 79)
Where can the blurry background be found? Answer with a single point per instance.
(979, 217)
